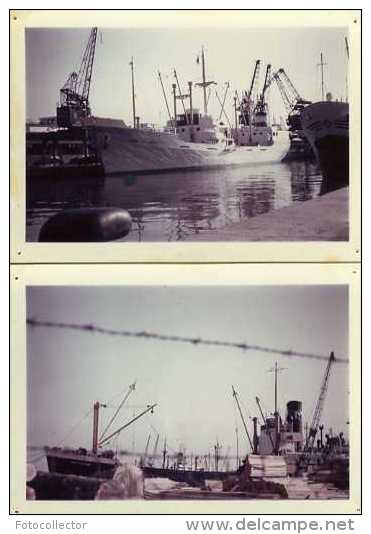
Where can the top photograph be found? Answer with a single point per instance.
(185, 135)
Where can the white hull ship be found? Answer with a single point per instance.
(190, 141)
(134, 150)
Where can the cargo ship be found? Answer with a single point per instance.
(190, 141)
(326, 126)
(97, 462)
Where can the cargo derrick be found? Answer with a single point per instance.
(262, 106)
(319, 406)
(294, 103)
(74, 95)
(246, 107)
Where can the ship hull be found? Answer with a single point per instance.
(60, 172)
(74, 463)
(183, 475)
(326, 126)
(135, 151)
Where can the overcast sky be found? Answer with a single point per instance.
(52, 54)
(69, 370)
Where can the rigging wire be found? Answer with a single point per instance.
(180, 339)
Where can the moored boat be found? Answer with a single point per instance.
(326, 126)
(190, 141)
(97, 462)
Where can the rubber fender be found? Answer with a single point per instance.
(86, 225)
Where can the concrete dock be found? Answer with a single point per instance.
(323, 218)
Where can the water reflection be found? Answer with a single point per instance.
(178, 206)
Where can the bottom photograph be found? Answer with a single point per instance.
(171, 392)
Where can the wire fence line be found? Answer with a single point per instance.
(91, 328)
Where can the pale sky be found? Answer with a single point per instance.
(52, 54)
(69, 370)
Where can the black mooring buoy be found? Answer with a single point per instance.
(86, 225)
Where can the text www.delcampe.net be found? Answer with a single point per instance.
(270, 525)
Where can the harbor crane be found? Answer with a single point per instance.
(292, 100)
(74, 95)
(261, 106)
(254, 81)
(319, 406)
(247, 103)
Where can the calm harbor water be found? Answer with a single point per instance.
(178, 206)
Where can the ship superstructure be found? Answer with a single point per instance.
(252, 125)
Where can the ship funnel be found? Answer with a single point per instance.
(294, 415)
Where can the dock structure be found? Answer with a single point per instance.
(324, 218)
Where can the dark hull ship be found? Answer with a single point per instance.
(326, 126)
(97, 463)
(81, 462)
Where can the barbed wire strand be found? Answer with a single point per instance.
(179, 339)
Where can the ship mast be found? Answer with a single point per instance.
(322, 64)
(133, 91)
(165, 98)
(97, 405)
(164, 452)
(237, 449)
(204, 80)
(276, 370)
(346, 75)
(204, 83)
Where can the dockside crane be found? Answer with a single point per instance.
(292, 99)
(317, 414)
(254, 81)
(261, 106)
(247, 103)
(74, 95)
